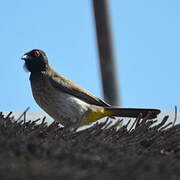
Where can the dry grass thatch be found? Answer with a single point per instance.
(35, 151)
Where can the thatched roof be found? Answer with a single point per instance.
(142, 151)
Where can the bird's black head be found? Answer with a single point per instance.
(35, 61)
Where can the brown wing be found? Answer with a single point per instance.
(63, 84)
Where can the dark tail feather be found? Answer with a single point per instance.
(133, 112)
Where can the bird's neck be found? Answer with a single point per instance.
(36, 76)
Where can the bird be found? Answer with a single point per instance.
(66, 102)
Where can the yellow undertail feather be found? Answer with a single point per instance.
(120, 112)
(94, 116)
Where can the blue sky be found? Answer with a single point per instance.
(146, 40)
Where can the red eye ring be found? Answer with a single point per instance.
(37, 53)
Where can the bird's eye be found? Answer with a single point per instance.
(37, 53)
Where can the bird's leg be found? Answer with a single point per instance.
(71, 127)
(53, 125)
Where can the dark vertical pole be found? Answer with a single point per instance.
(106, 54)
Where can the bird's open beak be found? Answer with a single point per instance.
(25, 57)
